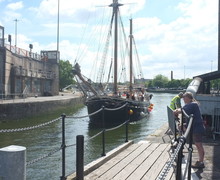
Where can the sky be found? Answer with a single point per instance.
(171, 35)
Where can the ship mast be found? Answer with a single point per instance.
(219, 35)
(131, 36)
(115, 5)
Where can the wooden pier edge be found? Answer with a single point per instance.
(100, 161)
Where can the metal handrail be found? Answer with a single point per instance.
(178, 152)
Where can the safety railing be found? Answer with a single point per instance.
(23, 52)
(177, 154)
(63, 146)
(80, 141)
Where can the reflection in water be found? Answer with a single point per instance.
(43, 140)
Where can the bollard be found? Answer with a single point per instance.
(126, 131)
(63, 149)
(13, 163)
(103, 132)
(79, 157)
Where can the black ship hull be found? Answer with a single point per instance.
(113, 114)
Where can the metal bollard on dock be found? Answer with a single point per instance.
(13, 163)
(79, 157)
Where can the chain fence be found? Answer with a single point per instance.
(29, 128)
(174, 157)
(63, 146)
(43, 157)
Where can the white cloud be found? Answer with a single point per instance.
(15, 6)
(188, 41)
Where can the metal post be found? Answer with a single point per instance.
(126, 131)
(179, 161)
(175, 131)
(79, 157)
(103, 132)
(13, 162)
(182, 119)
(126, 125)
(190, 152)
(103, 142)
(16, 21)
(63, 146)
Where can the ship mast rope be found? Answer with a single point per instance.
(101, 74)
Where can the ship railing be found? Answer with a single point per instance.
(177, 159)
(79, 141)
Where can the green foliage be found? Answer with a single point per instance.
(66, 76)
(160, 81)
(215, 84)
(163, 82)
(185, 82)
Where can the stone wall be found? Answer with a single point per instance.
(22, 74)
(15, 111)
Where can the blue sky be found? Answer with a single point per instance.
(177, 35)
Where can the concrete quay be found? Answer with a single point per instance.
(15, 109)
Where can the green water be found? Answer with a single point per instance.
(43, 140)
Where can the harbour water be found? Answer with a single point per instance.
(41, 141)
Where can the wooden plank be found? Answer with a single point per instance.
(147, 164)
(100, 161)
(132, 166)
(139, 161)
(162, 159)
(102, 169)
(125, 161)
(108, 165)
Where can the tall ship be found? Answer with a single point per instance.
(119, 102)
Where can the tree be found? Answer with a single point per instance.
(215, 84)
(160, 81)
(185, 82)
(163, 82)
(66, 76)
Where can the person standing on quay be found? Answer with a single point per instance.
(191, 107)
(176, 101)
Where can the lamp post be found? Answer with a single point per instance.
(58, 27)
(184, 71)
(16, 21)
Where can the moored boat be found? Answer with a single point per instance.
(134, 101)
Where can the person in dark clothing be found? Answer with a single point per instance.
(191, 107)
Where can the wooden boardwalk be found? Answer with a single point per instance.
(140, 161)
(143, 160)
